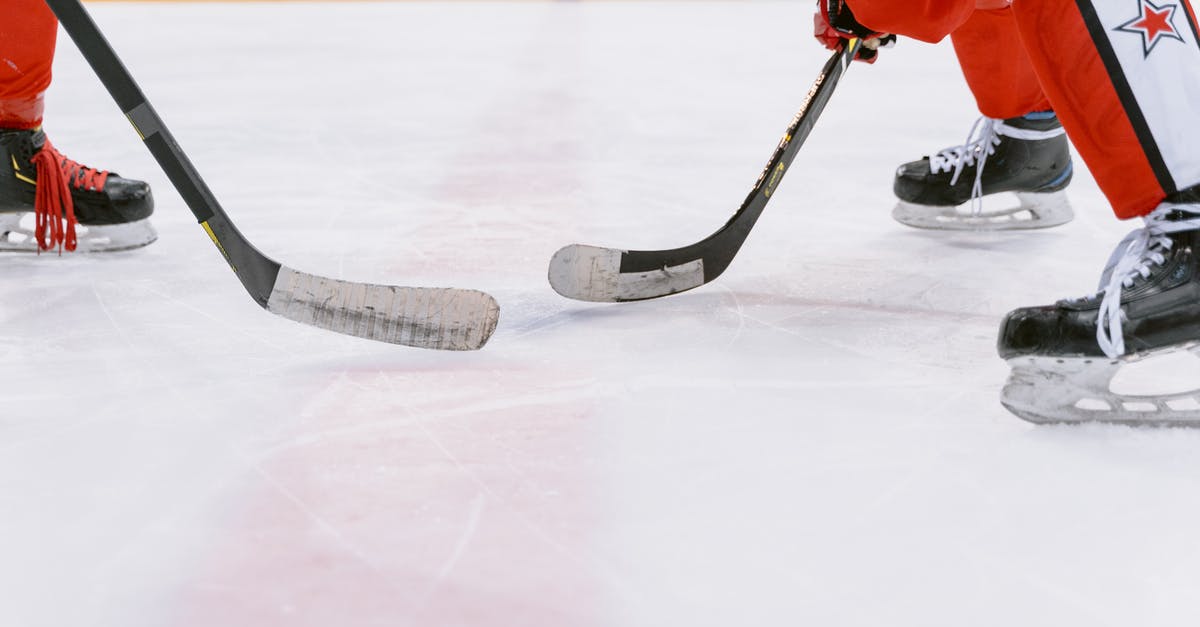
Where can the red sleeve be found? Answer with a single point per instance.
(926, 20)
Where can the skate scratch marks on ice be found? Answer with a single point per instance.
(478, 504)
(333, 531)
(223, 323)
(738, 310)
(592, 565)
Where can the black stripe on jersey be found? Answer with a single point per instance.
(1125, 93)
(1188, 17)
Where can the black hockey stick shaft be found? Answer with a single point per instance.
(733, 234)
(256, 272)
(437, 318)
(613, 275)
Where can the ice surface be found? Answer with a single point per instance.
(814, 439)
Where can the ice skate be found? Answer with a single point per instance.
(106, 212)
(963, 187)
(1064, 357)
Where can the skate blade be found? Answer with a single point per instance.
(1033, 211)
(1077, 390)
(15, 237)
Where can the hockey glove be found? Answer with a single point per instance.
(834, 23)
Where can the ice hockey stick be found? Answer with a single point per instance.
(600, 274)
(437, 318)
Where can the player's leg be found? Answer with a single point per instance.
(1125, 80)
(1018, 146)
(42, 193)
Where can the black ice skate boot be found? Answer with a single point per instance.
(1064, 356)
(53, 192)
(1028, 156)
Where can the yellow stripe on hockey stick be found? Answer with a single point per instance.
(213, 237)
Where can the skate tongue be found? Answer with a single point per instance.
(981, 142)
(52, 202)
(1173, 218)
(1135, 255)
(81, 176)
(1119, 254)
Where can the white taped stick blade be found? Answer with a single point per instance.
(423, 317)
(594, 274)
(586, 273)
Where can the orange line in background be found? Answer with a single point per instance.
(314, 1)
(350, 1)
(363, 1)
(299, 1)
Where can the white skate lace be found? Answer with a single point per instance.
(981, 143)
(1135, 256)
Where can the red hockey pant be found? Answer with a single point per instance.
(27, 35)
(1123, 78)
(998, 71)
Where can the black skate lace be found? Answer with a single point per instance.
(1135, 256)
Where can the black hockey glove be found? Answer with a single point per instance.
(834, 23)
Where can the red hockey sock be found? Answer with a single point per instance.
(27, 36)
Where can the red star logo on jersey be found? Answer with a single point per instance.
(1153, 23)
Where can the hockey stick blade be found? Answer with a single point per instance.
(435, 318)
(609, 275)
(439, 318)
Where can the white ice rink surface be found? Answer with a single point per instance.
(813, 439)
